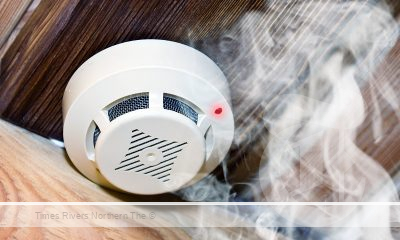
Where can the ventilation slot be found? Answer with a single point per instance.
(178, 106)
(140, 141)
(96, 135)
(128, 105)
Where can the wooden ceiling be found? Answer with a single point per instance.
(59, 35)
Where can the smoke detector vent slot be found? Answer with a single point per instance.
(96, 134)
(139, 101)
(173, 104)
(150, 156)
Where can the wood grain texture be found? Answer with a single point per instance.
(91, 233)
(246, 158)
(33, 170)
(10, 13)
(27, 160)
(385, 151)
(62, 34)
(15, 28)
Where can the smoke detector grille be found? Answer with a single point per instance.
(150, 156)
(140, 101)
(178, 106)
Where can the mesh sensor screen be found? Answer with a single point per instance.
(178, 106)
(141, 101)
(128, 105)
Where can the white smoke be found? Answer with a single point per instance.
(298, 70)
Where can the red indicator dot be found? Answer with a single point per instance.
(218, 111)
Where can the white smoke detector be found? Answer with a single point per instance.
(147, 117)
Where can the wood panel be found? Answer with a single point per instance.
(16, 28)
(62, 34)
(33, 170)
(10, 14)
(246, 158)
(27, 159)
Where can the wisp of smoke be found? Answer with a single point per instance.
(298, 70)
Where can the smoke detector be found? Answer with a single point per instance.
(147, 117)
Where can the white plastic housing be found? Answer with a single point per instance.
(147, 117)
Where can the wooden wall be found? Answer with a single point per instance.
(61, 34)
(10, 14)
(32, 169)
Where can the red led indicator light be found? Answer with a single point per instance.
(218, 110)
